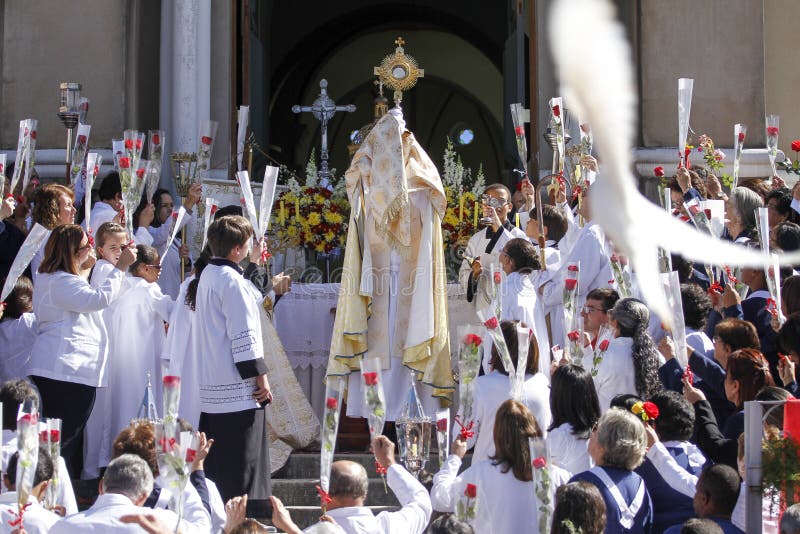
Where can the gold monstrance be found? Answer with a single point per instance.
(399, 71)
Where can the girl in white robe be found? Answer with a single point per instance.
(137, 333)
(17, 331)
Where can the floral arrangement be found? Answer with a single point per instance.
(467, 506)
(311, 215)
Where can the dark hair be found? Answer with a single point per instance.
(696, 306)
(625, 401)
(720, 483)
(684, 267)
(46, 204)
(513, 425)
(790, 294)
(579, 507)
(449, 524)
(226, 233)
(191, 290)
(696, 525)
(759, 186)
(13, 394)
(696, 182)
(573, 399)
(751, 370)
(523, 254)
(675, 420)
(774, 393)
(139, 439)
(145, 255)
(110, 187)
(606, 295)
(788, 339)
(230, 209)
(555, 221)
(783, 201)
(157, 204)
(787, 236)
(44, 468)
(509, 329)
(20, 300)
(61, 249)
(632, 317)
(737, 334)
(249, 526)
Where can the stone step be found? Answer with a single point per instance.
(303, 492)
(306, 465)
(305, 516)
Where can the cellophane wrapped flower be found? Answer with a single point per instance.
(373, 395)
(469, 363)
(467, 505)
(572, 317)
(443, 434)
(334, 391)
(699, 216)
(685, 87)
(604, 337)
(739, 134)
(520, 116)
(497, 289)
(575, 341)
(524, 335)
(208, 132)
(542, 481)
(773, 129)
(78, 152)
(28, 449)
(492, 325)
(155, 146)
(557, 127)
(129, 177)
(175, 452)
(50, 439)
(622, 278)
(171, 397)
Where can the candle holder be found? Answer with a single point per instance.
(184, 170)
(69, 112)
(413, 432)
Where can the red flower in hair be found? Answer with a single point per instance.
(206, 140)
(658, 171)
(651, 410)
(172, 380)
(491, 324)
(539, 462)
(772, 131)
(370, 378)
(128, 144)
(471, 491)
(124, 163)
(441, 425)
(331, 403)
(570, 284)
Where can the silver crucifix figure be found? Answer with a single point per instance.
(324, 108)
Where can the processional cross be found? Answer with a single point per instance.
(323, 109)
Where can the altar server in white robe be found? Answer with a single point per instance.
(136, 332)
(483, 248)
(17, 331)
(519, 299)
(233, 375)
(592, 251)
(110, 239)
(500, 489)
(161, 229)
(494, 388)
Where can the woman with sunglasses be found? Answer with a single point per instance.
(69, 356)
(137, 335)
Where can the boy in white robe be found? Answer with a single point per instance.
(233, 376)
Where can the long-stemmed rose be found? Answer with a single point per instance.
(604, 337)
(469, 360)
(28, 449)
(572, 319)
(773, 122)
(622, 278)
(467, 505)
(334, 390)
(542, 481)
(493, 328)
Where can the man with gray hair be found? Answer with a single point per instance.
(124, 488)
(790, 521)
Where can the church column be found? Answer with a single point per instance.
(185, 81)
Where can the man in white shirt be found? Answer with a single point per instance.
(126, 485)
(37, 518)
(349, 491)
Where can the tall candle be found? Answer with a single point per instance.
(475, 215)
(282, 214)
(516, 219)
(461, 209)
(297, 208)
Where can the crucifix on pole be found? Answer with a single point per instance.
(323, 109)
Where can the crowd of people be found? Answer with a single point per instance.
(637, 442)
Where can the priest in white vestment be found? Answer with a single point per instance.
(393, 298)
